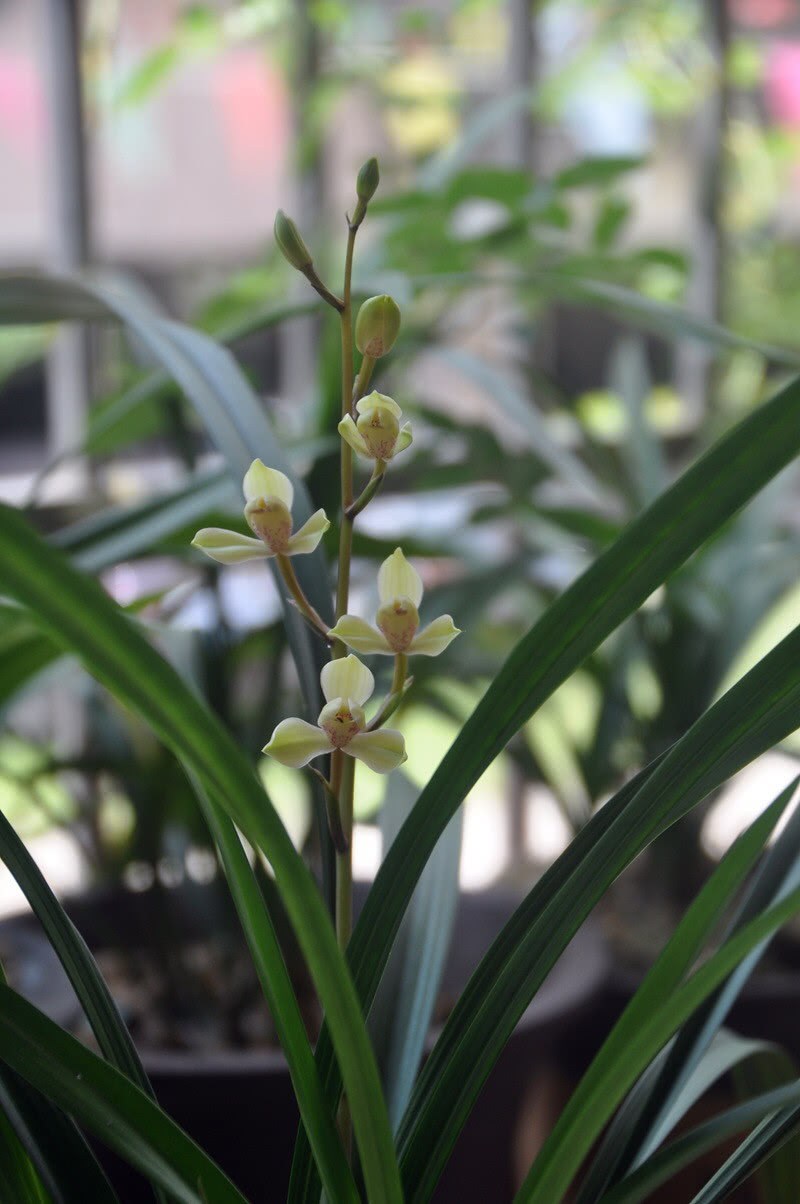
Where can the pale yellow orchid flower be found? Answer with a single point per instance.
(377, 433)
(346, 685)
(268, 498)
(397, 621)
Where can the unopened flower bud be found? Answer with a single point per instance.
(368, 180)
(291, 244)
(377, 326)
(270, 520)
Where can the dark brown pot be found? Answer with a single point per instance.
(239, 1105)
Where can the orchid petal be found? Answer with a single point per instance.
(398, 579)
(382, 750)
(378, 401)
(229, 547)
(347, 678)
(360, 636)
(434, 638)
(261, 481)
(309, 535)
(352, 435)
(404, 439)
(294, 742)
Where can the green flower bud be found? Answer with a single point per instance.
(368, 180)
(377, 326)
(291, 245)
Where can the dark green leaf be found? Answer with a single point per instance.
(648, 551)
(107, 1103)
(79, 616)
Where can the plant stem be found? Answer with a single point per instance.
(346, 535)
(344, 906)
(342, 767)
(319, 287)
(363, 378)
(400, 684)
(369, 491)
(303, 604)
(400, 670)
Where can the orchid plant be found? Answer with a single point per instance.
(371, 427)
(613, 1135)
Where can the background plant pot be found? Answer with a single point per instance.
(239, 1104)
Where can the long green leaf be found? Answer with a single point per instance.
(773, 1132)
(79, 965)
(24, 652)
(59, 1152)
(745, 722)
(79, 616)
(18, 1179)
(402, 1010)
(637, 1131)
(277, 985)
(109, 1028)
(108, 1104)
(565, 1144)
(648, 551)
(662, 1166)
(549, 1178)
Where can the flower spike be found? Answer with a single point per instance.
(397, 621)
(346, 685)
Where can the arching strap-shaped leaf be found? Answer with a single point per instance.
(660, 1167)
(659, 985)
(757, 713)
(78, 615)
(773, 1132)
(79, 965)
(648, 1113)
(649, 550)
(107, 1104)
(548, 1178)
(58, 1151)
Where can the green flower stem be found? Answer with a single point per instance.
(319, 287)
(369, 491)
(342, 767)
(346, 535)
(303, 604)
(363, 378)
(400, 687)
(400, 671)
(344, 904)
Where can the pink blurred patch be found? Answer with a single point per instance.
(782, 83)
(22, 114)
(255, 113)
(761, 14)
